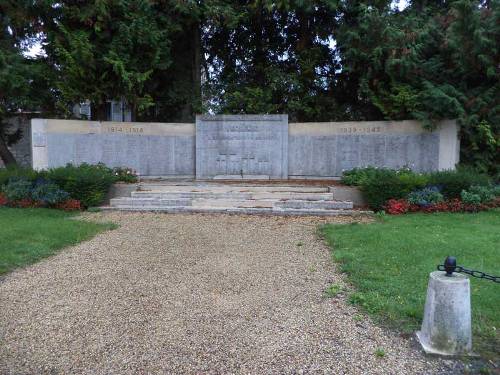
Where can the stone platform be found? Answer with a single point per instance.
(242, 198)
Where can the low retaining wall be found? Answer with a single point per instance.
(246, 146)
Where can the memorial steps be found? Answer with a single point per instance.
(234, 198)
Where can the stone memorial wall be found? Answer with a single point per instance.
(242, 145)
(248, 146)
(326, 149)
(152, 149)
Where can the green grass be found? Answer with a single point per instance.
(388, 262)
(28, 235)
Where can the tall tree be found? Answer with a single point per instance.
(22, 82)
(103, 50)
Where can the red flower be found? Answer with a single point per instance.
(69, 205)
(397, 206)
(3, 199)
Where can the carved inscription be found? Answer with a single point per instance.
(124, 130)
(360, 130)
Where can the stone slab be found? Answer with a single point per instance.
(254, 145)
(327, 149)
(151, 149)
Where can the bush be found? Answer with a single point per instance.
(48, 193)
(359, 176)
(86, 183)
(486, 193)
(125, 175)
(17, 188)
(391, 186)
(453, 182)
(10, 172)
(426, 196)
(362, 176)
(470, 198)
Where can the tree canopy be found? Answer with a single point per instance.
(317, 60)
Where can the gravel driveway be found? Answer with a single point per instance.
(192, 294)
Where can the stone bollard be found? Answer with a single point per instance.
(446, 328)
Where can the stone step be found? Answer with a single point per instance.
(314, 205)
(149, 202)
(231, 203)
(240, 210)
(219, 188)
(283, 195)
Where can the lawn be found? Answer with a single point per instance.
(388, 263)
(28, 235)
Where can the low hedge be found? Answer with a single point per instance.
(379, 185)
(85, 183)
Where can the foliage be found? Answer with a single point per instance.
(397, 206)
(13, 172)
(87, 183)
(123, 174)
(48, 193)
(470, 198)
(486, 193)
(32, 234)
(453, 182)
(319, 60)
(363, 175)
(396, 296)
(424, 197)
(17, 189)
(381, 184)
(391, 186)
(3, 200)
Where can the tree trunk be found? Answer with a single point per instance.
(99, 112)
(5, 154)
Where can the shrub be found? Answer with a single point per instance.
(426, 196)
(11, 172)
(359, 176)
(123, 174)
(396, 186)
(496, 190)
(86, 183)
(453, 182)
(17, 188)
(486, 193)
(470, 198)
(48, 193)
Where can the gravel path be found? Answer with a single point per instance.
(192, 294)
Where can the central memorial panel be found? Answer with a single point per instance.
(242, 145)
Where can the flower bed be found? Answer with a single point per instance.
(67, 188)
(402, 190)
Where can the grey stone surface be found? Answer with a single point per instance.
(446, 328)
(242, 145)
(348, 193)
(327, 149)
(245, 146)
(151, 149)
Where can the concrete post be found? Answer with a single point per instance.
(446, 328)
